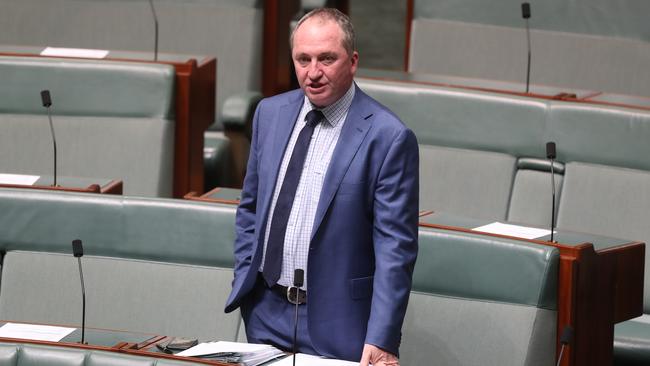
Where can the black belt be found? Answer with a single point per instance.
(293, 294)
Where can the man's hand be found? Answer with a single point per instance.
(375, 356)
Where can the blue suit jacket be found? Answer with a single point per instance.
(364, 239)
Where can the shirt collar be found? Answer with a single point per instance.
(334, 112)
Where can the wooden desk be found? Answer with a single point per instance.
(229, 196)
(195, 92)
(73, 184)
(600, 284)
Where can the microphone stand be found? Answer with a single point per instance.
(553, 199)
(529, 56)
(155, 21)
(565, 339)
(525, 13)
(298, 281)
(551, 154)
(78, 252)
(49, 116)
(46, 99)
(83, 302)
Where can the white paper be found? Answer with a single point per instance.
(252, 354)
(309, 360)
(34, 332)
(21, 179)
(74, 52)
(216, 347)
(517, 231)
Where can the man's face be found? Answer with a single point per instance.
(323, 67)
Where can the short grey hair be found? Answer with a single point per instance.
(339, 18)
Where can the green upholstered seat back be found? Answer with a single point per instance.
(15, 354)
(469, 142)
(531, 197)
(111, 119)
(150, 265)
(487, 40)
(230, 30)
(480, 300)
(607, 180)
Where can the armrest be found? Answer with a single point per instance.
(237, 111)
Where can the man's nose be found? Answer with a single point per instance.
(314, 71)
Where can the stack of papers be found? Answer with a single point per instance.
(247, 353)
(22, 179)
(517, 231)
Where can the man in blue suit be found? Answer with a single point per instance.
(339, 201)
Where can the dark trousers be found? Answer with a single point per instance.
(269, 319)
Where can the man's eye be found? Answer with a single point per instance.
(328, 60)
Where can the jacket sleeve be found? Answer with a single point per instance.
(395, 240)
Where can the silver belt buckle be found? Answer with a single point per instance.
(292, 295)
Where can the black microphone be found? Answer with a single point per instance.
(298, 281)
(78, 252)
(155, 22)
(47, 103)
(565, 339)
(551, 155)
(525, 13)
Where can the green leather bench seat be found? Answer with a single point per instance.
(112, 120)
(230, 30)
(632, 343)
(150, 264)
(602, 45)
(480, 300)
(483, 156)
(606, 189)
(464, 135)
(38, 355)
(164, 267)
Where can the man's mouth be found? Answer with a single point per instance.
(316, 87)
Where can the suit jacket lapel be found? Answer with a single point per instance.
(282, 129)
(355, 129)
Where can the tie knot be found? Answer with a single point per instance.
(314, 117)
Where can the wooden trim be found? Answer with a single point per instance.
(409, 25)
(113, 187)
(93, 188)
(193, 196)
(276, 53)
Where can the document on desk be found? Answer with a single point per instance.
(22, 179)
(34, 332)
(517, 231)
(248, 354)
(74, 52)
(309, 360)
